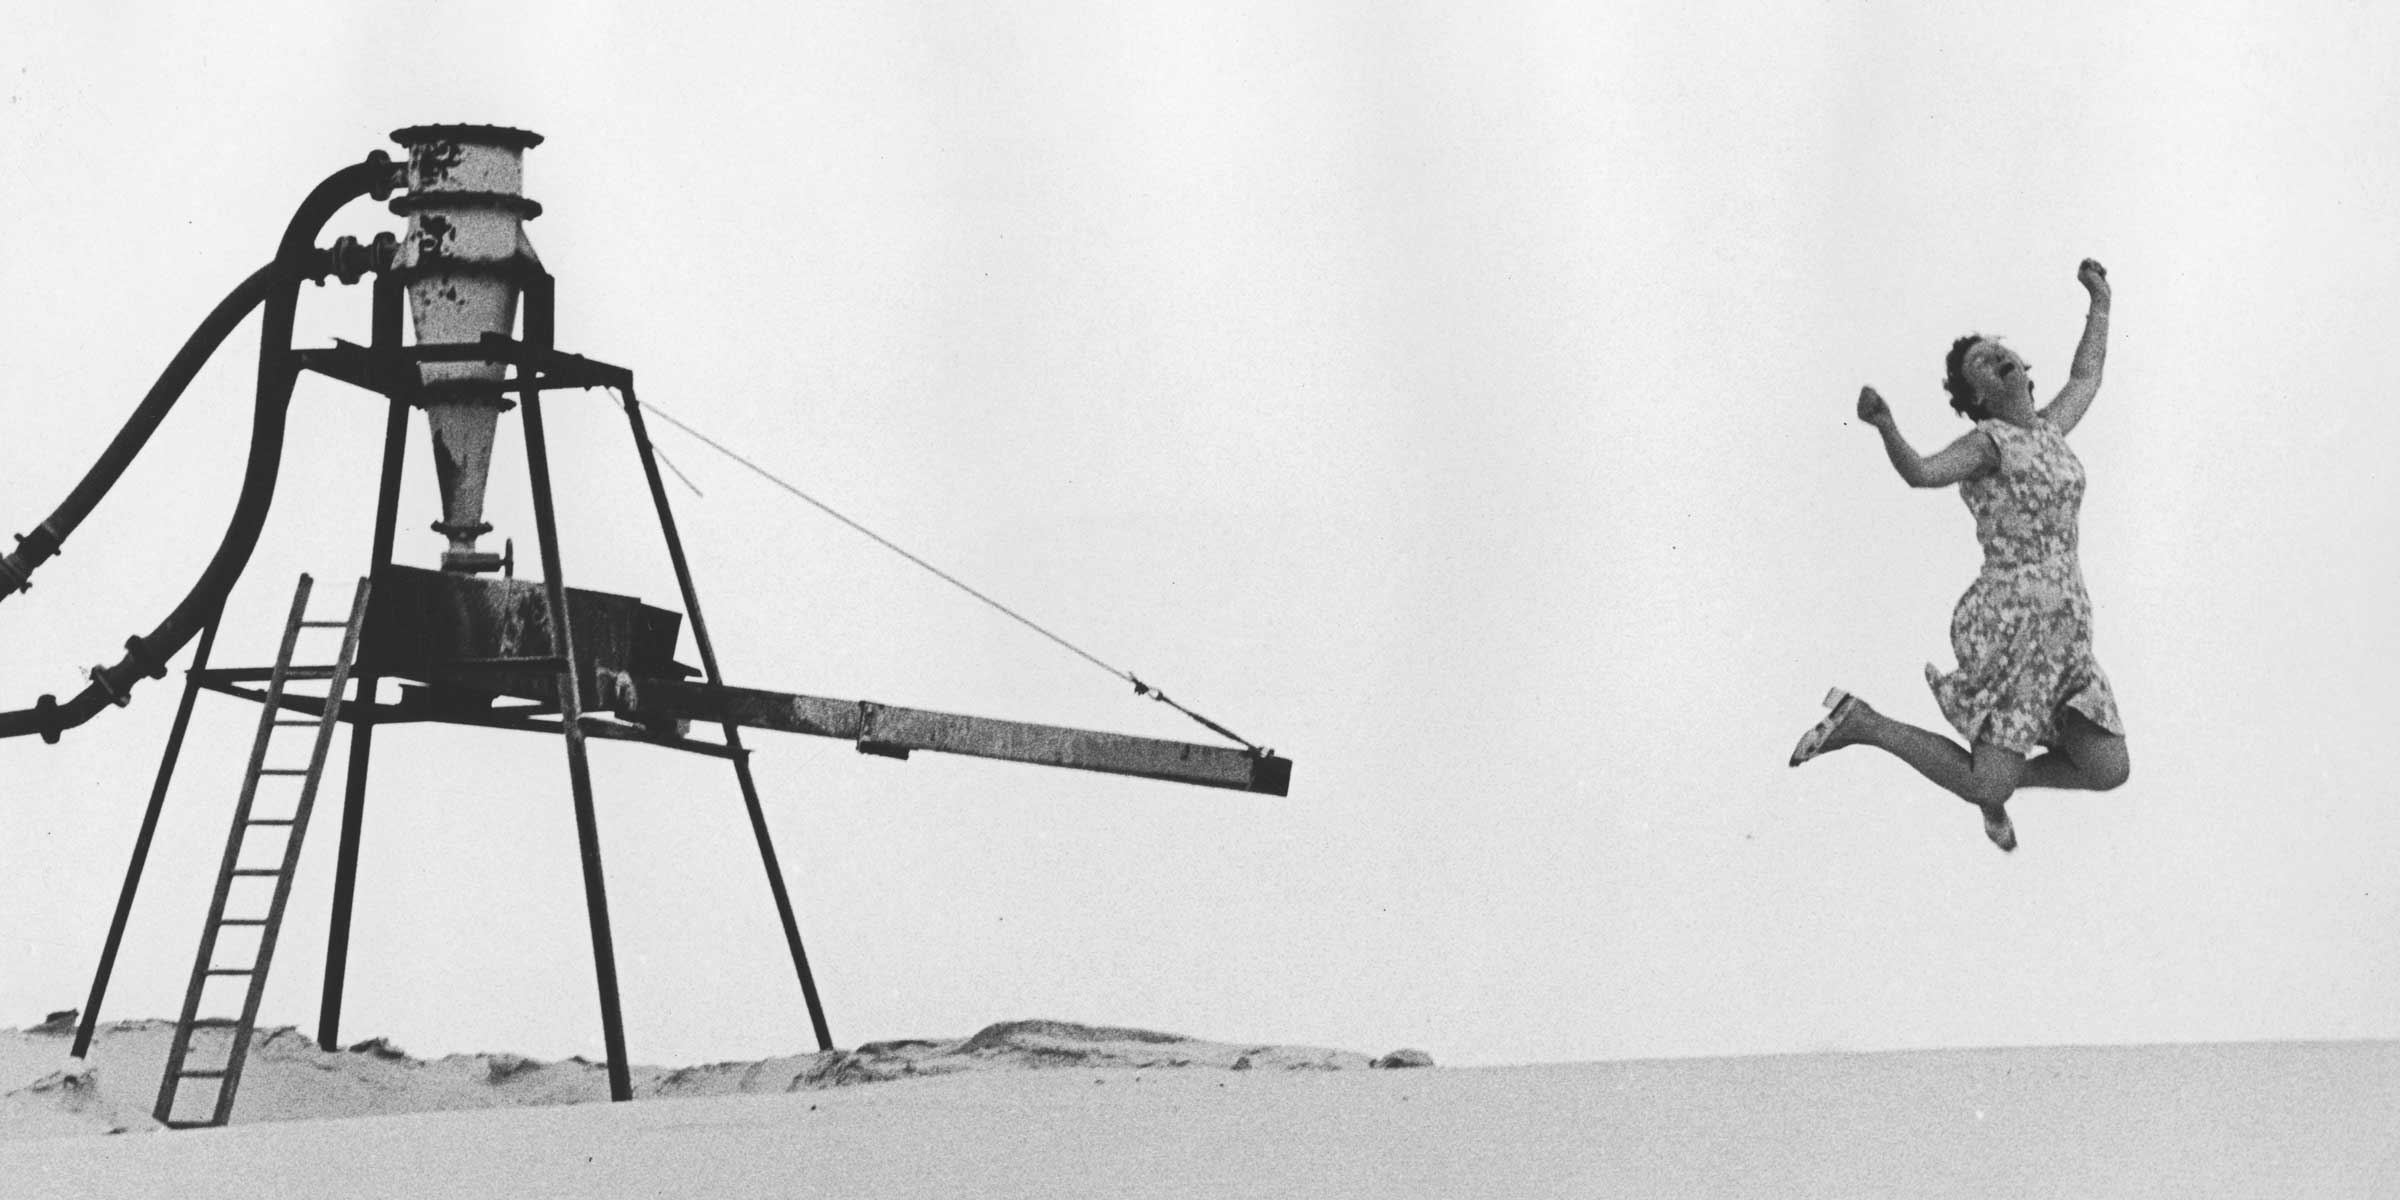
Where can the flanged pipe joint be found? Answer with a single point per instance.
(464, 261)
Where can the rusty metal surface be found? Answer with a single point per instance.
(463, 260)
(493, 635)
(894, 731)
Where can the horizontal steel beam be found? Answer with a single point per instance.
(893, 731)
(393, 372)
(883, 729)
(529, 718)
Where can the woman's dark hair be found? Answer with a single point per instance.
(1962, 392)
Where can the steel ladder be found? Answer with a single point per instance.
(253, 855)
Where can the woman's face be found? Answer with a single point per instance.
(2002, 383)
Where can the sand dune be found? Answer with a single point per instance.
(1058, 1109)
(45, 1093)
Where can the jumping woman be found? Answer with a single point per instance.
(2026, 677)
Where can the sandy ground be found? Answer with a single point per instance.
(1049, 1109)
(44, 1092)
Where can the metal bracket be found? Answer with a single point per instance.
(99, 677)
(868, 743)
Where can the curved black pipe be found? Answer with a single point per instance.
(34, 549)
(278, 371)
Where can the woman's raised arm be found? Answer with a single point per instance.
(2083, 378)
(1971, 455)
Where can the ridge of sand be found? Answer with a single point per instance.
(46, 1093)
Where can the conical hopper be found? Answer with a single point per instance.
(463, 261)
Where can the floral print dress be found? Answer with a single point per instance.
(2023, 631)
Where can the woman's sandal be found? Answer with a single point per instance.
(1812, 743)
(1997, 827)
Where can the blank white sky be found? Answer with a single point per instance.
(1455, 399)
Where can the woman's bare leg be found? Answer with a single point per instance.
(2086, 758)
(1985, 777)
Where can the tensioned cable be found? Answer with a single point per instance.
(1139, 688)
(670, 465)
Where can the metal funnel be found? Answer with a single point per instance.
(463, 261)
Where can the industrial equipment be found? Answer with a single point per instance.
(467, 643)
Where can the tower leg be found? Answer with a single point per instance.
(538, 295)
(141, 843)
(362, 726)
(733, 736)
(783, 899)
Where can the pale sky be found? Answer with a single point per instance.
(1456, 398)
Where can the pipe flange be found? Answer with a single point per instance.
(139, 652)
(524, 209)
(350, 260)
(489, 135)
(394, 175)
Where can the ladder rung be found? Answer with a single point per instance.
(309, 672)
(258, 870)
(325, 624)
(233, 970)
(215, 1074)
(270, 820)
(191, 1124)
(283, 770)
(241, 920)
(299, 720)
